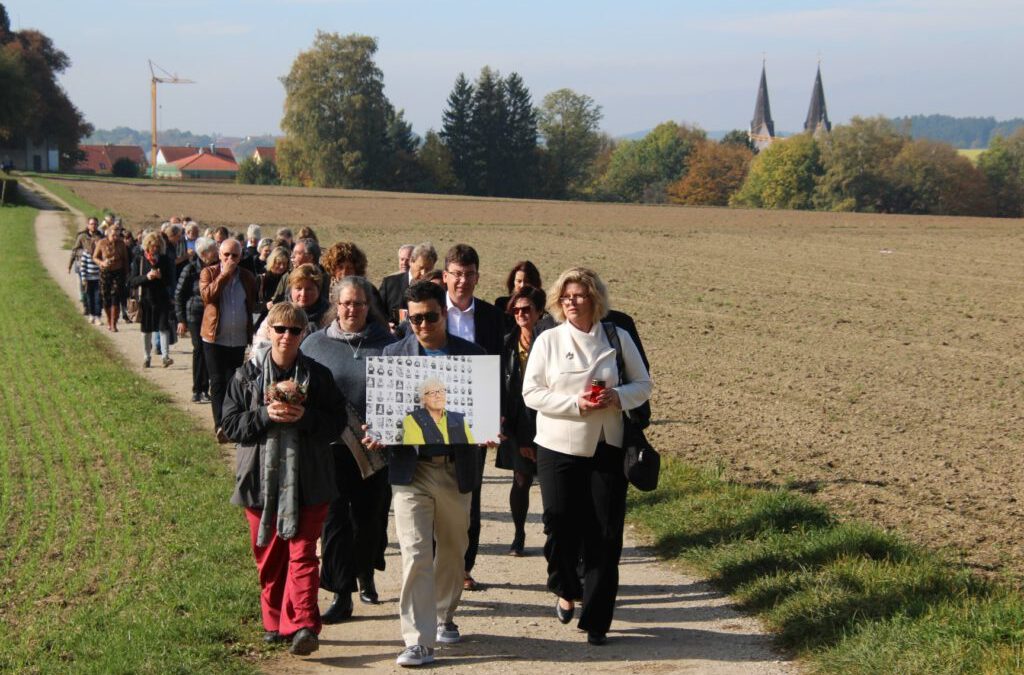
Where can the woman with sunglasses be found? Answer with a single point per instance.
(355, 531)
(517, 453)
(572, 380)
(282, 411)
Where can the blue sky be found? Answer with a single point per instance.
(644, 62)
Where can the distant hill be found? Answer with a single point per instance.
(242, 147)
(960, 132)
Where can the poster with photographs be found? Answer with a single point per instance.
(406, 395)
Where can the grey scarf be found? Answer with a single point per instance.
(280, 479)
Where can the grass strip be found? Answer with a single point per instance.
(70, 197)
(119, 551)
(845, 596)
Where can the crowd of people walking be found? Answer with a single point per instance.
(281, 329)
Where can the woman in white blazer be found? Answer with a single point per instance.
(579, 439)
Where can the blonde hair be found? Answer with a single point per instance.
(153, 238)
(586, 278)
(287, 313)
(279, 254)
(306, 272)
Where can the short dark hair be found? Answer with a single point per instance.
(528, 269)
(223, 232)
(462, 254)
(425, 291)
(537, 297)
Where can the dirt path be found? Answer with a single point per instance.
(666, 622)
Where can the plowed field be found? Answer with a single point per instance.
(877, 361)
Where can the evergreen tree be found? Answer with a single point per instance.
(455, 132)
(489, 150)
(520, 138)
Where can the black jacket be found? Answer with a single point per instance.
(188, 304)
(155, 308)
(245, 421)
(468, 459)
(392, 292)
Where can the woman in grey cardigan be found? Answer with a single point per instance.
(355, 531)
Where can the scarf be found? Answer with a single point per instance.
(335, 332)
(280, 471)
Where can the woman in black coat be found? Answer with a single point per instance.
(153, 274)
(188, 306)
(518, 452)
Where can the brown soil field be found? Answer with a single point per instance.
(875, 361)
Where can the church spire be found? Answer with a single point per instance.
(817, 113)
(762, 128)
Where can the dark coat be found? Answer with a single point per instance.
(488, 327)
(155, 311)
(245, 421)
(467, 457)
(188, 303)
(520, 422)
(392, 292)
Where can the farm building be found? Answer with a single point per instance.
(42, 156)
(202, 164)
(167, 154)
(99, 159)
(262, 154)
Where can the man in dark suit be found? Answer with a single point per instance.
(431, 485)
(392, 287)
(478, 321)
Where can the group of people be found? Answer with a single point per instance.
(281, 330)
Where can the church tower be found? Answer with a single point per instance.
(817, 113)
(762, 128)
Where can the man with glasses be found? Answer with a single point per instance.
(431, 484)
(478, 321)
(229, 295)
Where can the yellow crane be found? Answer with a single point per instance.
(168, 78)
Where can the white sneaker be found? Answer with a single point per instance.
(448, 633)
(416, 655)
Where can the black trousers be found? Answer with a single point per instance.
(584, 510)
(474, 516)
(354, 528)
(221, 363)
(200, 378)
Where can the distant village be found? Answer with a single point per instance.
(172, 162)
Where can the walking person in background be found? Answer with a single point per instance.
(517, 452)
(84, 242)
(419, 260)
(153, 275)
(111, 254)
(356, 524)
(188, 306)
(283, 412)
(89, 278)
(523, 273)
(229, 301)
(573, 382)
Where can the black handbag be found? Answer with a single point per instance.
(641, 463)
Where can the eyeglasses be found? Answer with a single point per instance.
(429, 317)
(352, 304)
(525, 309)
(573, 299)
(461, 275)
(291, 330)
(433, 392)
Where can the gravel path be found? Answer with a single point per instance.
(665, 622)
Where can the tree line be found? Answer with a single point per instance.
(342, 131)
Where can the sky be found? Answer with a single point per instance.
(644, 62)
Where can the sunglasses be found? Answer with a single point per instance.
(526, 309)
(429, 317)
(292, 330)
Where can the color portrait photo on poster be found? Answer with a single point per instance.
(428, 400)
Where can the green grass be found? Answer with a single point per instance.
(971, 154)
(69, 197)
(847, 597)
(119, 551)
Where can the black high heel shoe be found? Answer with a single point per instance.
(564, 615)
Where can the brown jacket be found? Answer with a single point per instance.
(114, 253)
(210, 286)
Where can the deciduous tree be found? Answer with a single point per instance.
(336, 115)
(642, 170)
(931, 177)
(569, 121)
(717, 170)
(857, 160)
(1003, 167)
(783, 175)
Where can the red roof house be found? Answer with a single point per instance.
(168, 154)
(200, 165)
(99, 159)
(262, 154)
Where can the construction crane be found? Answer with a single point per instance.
(167, 79)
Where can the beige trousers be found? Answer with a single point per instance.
(430, 509)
